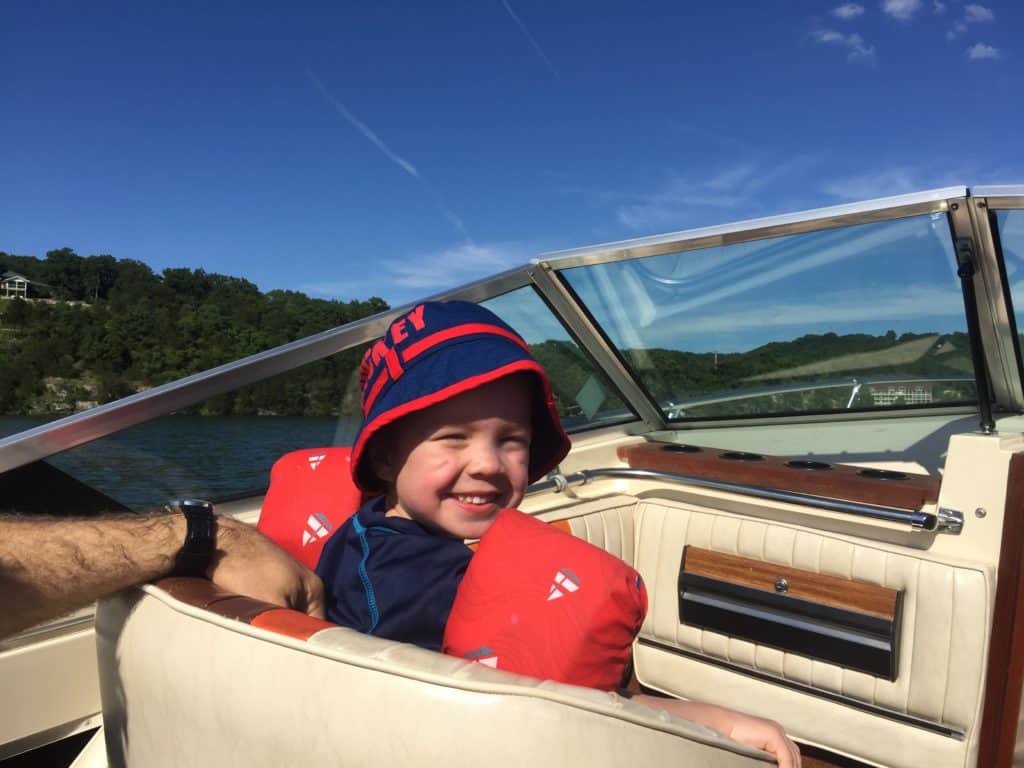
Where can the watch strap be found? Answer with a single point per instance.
(196, 554)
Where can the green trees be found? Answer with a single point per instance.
(121, 328)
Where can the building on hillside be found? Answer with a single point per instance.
(13, 286)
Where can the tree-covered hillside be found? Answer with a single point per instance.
(112, 327)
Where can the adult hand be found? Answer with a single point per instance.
(248, 563)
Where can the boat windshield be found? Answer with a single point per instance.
(1010, 227)
(860, 317)
(583, 394)
(224, 447)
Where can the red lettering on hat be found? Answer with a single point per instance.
(398, 332)
(378, 351)
(416, 318)
(394, 367)
(364, 368)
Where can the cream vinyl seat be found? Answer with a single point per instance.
(189, 677)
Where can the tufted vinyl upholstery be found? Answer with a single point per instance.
(938, 599)
(184, 686)
(944, 632)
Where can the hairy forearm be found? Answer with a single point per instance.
(49, 567)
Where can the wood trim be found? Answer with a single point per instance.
(1005, 675)
(839, 481)
(285, 621)
(835, 591)
(206, 595)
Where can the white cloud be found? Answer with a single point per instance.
(901, 9)
(856, 46)
(982, 51)
(848, 11)
(903, 179)
(895, 181)
(900, 302)
(731, 178)
(675, 204)
(452, 266)
(399, 280)
(975, 13)
(939, 7)
(757, 294)
(762, 271)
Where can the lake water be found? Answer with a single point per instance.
(190, 456)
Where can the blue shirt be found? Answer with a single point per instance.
(391, 577)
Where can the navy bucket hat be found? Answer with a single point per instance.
(440, 350)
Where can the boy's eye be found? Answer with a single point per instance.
(449, 436)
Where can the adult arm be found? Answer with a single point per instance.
(51, 566)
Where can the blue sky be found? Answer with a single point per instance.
(397, 149)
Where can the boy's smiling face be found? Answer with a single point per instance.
(452, 466)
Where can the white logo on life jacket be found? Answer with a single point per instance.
(565, 582)
(314, 460)
(483, 655)
(317, 526)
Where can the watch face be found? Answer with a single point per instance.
(196, 506)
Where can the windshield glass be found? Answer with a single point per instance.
(862, 317)
(1011, 238)
(225, 446)
(583, 394)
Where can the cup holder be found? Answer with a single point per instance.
(882, 474)
(741, 456)
(810, 465)
(681, 448)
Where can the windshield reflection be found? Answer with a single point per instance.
(861, 317)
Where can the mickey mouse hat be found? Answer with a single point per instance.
(440, 350)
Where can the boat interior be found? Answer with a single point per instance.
(804, 432)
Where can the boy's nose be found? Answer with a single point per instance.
(485, 460)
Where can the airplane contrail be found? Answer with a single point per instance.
(530, 38)
(391, 155)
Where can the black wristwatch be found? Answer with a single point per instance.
(193, 559)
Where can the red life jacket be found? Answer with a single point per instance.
(540, 602)
(311, 493)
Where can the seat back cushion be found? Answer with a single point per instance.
(538, 601)
(183, 685)
(311, 493)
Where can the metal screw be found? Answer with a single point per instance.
(781, 585)
(980, 512)
(954, 206)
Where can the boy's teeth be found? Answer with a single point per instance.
(472, 499)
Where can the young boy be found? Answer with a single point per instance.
(458, 420)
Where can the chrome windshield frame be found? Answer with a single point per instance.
(963, 205)
(817, 219)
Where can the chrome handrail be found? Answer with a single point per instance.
(950, 522)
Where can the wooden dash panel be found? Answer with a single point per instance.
(821, 588)
(839, 481)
